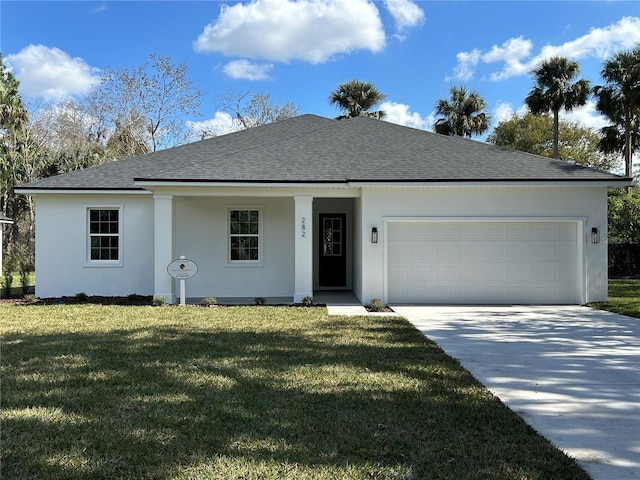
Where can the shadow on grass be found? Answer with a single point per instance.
(154, 402)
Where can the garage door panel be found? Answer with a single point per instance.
(517, 252)
(470, 273)
(447, 251)
(483, 262)
(421, 253)
(565, 252)
(566, 231)
(446, 231)
(495, 231)
(470, 232)
(518, 273)
(517, 231)
(543, 252)
(544, 231)
(544, 273)
(566, 273)
(420, 273)
(471, 252)
(495, 273)
(496, 252)
(446, 273)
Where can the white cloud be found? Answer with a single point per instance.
(400, 114)
(599, 42)
(220, 124)
(504, 111)
(50, 73)
(511, 53)
(515, 53)
(467, 62)
(283, 30)
(244, 69)
(405, 13)
(587, 116)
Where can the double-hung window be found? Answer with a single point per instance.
(105, 246)
(245, 230)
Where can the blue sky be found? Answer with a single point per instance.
(298, 51)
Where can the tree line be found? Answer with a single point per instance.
(138, 110)
(132, 111)
(556, 88)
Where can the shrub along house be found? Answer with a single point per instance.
(308, 204)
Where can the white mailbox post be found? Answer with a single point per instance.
(182, 269)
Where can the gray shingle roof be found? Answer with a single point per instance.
(312, 149)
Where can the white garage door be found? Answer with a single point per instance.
(483, 262)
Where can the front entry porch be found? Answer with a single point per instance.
(273, 246)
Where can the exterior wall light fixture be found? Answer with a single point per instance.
(374, 235)
(595, 235)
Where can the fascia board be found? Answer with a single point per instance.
(493, 184)
(80, 191)
(310, 185)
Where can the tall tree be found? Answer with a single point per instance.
(21, 161)
(69, 136)
(148, 102)
(534, 134)
(555, 90)
(13, 114)
(619, 101)
(258, 110)
(463, 113)
(239, 110)
(13, 146)
(356, 98)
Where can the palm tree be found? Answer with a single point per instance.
(619, 100)
(13, 114)
(355, 98)
(554, 90)
(463, 114)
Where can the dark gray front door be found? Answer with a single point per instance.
(332, 263)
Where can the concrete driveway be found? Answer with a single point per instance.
(573, 373)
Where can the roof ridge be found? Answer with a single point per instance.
(253, 147)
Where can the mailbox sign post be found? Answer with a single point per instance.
(182, 269)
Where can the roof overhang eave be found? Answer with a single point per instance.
(150, 183)
(76, 190)
(609, 183)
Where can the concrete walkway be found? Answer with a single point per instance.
(573, 373)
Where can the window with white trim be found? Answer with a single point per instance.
(245, 230)
(104, 235)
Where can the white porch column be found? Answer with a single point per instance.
(163, 238)
(303, 247)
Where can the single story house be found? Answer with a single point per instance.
(309, 203)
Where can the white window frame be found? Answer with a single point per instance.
(260, 236)
(105, 263)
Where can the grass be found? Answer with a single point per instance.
(624, 297)
(109, 392)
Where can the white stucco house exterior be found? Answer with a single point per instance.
(308, 204)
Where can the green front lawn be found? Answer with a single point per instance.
(624, 297)
(246, 393)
